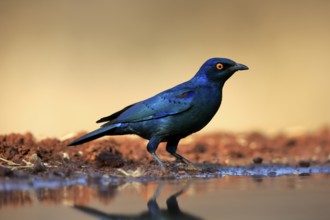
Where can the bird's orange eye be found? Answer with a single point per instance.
(219, 66)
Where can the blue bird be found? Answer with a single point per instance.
(174, 113)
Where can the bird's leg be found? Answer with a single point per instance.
(171, 148)
(152, 147)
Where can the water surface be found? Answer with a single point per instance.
(229, 197)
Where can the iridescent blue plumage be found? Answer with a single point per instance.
(174, 113)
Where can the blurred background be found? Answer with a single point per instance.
(66, 63)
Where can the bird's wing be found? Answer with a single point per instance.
(170, 102)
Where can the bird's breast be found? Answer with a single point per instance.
(205, 105)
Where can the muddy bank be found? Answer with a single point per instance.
(22, 155)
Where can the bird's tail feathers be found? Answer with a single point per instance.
(93, 135)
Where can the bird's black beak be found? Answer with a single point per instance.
(239, 66)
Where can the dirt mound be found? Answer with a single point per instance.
(23, 154)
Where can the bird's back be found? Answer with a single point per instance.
(179, 111)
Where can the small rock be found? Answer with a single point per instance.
(108, 159)
(38, 165)
(304, 163)
(258, 160)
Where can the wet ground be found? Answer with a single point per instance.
(24, 156)
(250, 176)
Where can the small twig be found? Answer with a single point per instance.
(27, 164)
(131, 173)
(9, 162)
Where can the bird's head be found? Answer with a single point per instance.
(219, 69)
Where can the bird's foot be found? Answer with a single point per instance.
(193, 167)
(188, 167)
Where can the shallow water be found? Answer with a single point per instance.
(229, 197)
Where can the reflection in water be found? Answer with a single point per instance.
(76, 194)
(154, 212)
(15, 198)
(303, 197)
(104, 193)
